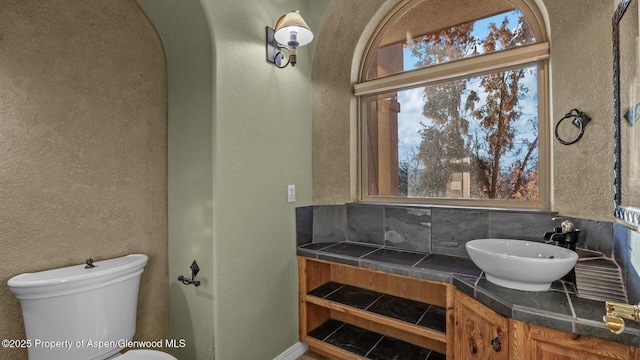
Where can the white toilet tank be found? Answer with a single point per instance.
(78, 313)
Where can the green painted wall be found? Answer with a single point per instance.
(184, 30)
(239, 133)
(262, 136)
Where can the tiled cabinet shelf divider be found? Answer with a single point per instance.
(403, 309)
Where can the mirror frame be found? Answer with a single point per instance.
(626, 214)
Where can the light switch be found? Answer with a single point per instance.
(291, 193)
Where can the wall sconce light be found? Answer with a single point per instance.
(290, 33)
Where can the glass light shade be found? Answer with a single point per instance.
(292, 22)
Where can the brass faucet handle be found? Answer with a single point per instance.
(626, 311)
(616, 312)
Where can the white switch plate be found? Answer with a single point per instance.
(291, 193)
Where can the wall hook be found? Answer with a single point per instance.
(194, 271)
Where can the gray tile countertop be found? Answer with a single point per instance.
(558, 308)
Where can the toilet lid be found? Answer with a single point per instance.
(145, 355)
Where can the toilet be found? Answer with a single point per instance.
(83, 312)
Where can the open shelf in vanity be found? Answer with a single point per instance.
(348, 312)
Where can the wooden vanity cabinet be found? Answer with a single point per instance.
(478, 330)
(533, 342)
(480, 333)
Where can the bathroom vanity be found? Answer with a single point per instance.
(358, 301)
(481, 333)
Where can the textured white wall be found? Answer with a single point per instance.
(581, 77)
(83, 147)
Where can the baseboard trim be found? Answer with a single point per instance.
(294, 352)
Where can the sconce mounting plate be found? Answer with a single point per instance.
(274, 55)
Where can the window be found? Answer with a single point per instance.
(453, 98)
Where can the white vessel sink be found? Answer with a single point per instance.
(519, 264)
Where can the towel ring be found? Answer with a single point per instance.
(580, 120)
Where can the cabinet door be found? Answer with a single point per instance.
(533, 342)
(480, 333)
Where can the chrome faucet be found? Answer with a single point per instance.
(566, 235)
(553, 237)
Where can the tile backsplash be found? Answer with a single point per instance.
(408, 228)
(445, 230)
